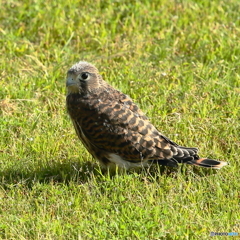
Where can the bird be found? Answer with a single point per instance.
(115, 131)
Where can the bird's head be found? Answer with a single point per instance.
(82, 78)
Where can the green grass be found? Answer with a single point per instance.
(178, 59)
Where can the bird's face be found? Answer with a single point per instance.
(82, 78)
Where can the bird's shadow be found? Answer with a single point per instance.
(57, 172)
(73, 170)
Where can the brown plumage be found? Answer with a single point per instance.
(115, 131)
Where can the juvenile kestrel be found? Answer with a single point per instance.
(115, 131)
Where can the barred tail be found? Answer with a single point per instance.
(207, 163)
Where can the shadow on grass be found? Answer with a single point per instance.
(54, 172)
(81, 172)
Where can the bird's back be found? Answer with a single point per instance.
(112, 122)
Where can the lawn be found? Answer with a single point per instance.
(179, 60)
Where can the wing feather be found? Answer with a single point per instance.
(115, 124)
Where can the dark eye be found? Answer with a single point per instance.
(84, 76)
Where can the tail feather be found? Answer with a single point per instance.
(207, 163)
(189, 156)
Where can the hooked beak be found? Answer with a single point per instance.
(72, 85)
(70, 81)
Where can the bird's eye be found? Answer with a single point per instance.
(84, 76)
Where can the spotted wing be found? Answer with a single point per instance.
(110, 121)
